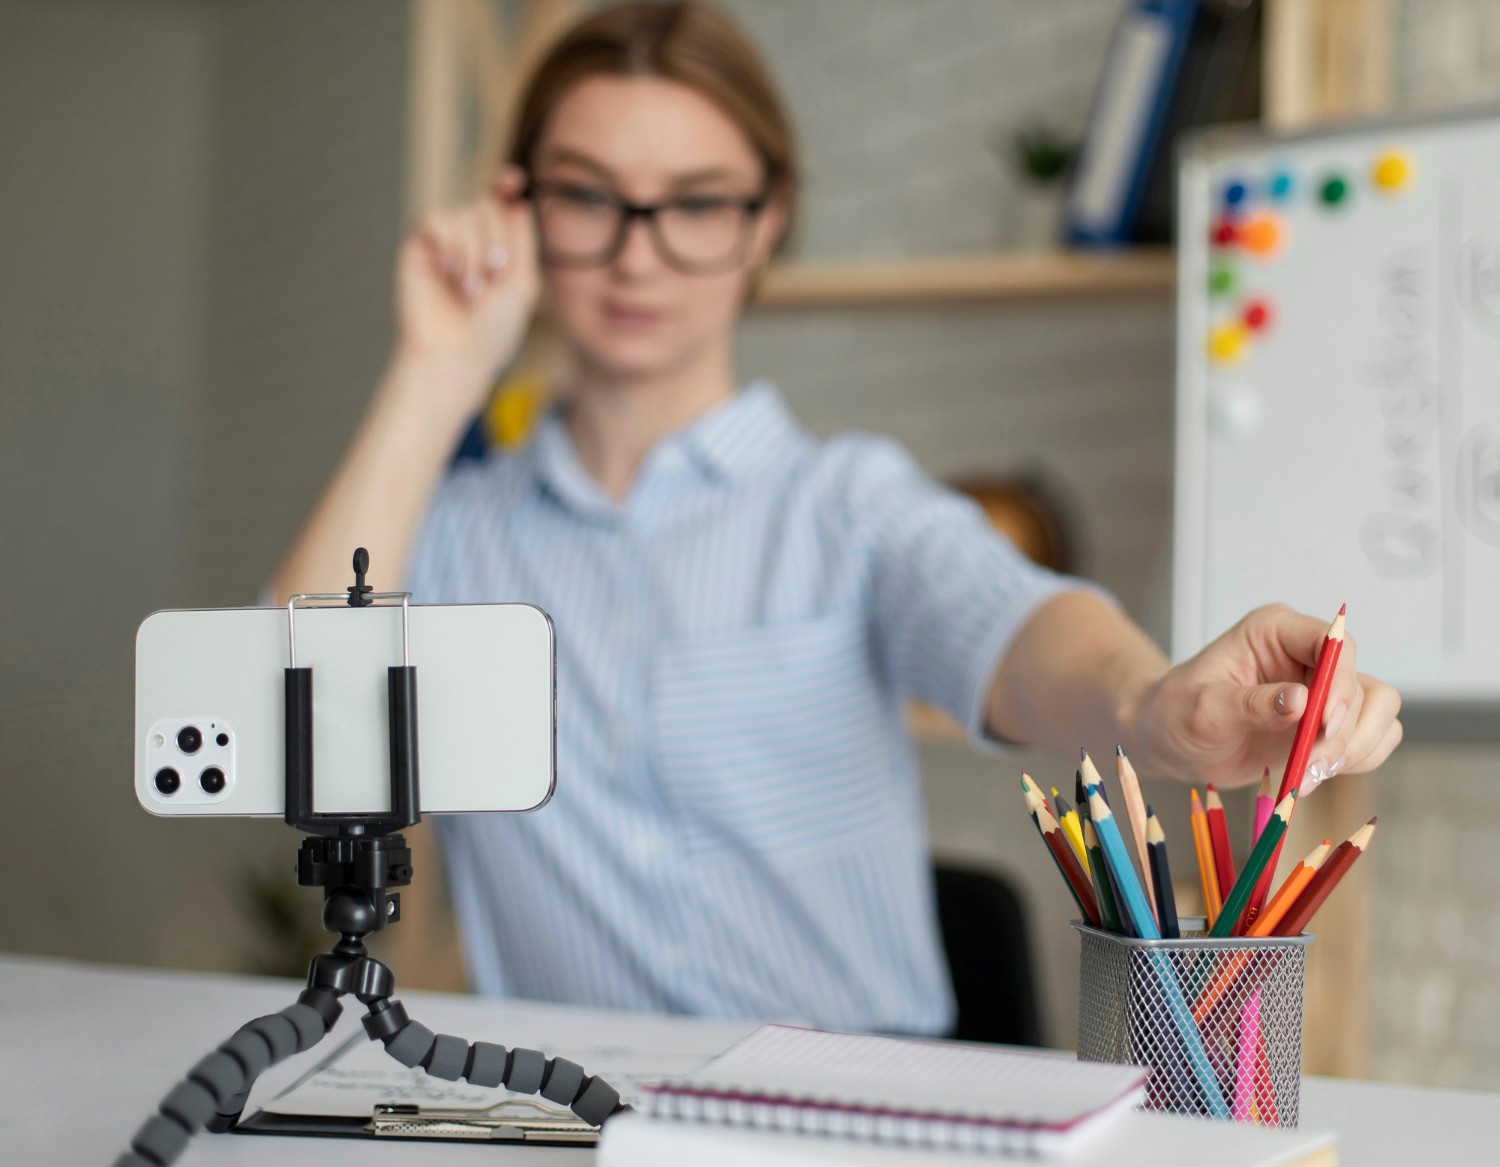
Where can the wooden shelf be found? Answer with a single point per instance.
(1021, 275)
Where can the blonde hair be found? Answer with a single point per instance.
(690, 42)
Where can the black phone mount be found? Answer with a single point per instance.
(356, 859)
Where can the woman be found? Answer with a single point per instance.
(740, 609)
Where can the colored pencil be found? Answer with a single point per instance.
(1264, 805)
(1286, 895)
(1246, 1059)
(1302, 742)
(1218, 836)
(1161, 878)
(1033, 795)
(1067, 818)
(1103, 892)
(1080, 795)
(1067, 863)
(1088, 774)
(1327, 878)
(1133, 899)
(1135, 811)
(1265, 1087)
(1266, 847)
(1207, 875)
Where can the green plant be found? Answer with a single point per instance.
(1040, 153)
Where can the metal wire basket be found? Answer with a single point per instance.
(1219, 1021)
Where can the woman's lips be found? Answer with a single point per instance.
(622, 316)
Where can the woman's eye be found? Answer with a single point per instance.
(701, 205)
(586, 197)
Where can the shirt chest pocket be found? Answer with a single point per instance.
(777, 740)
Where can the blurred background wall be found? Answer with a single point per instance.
(199, 207)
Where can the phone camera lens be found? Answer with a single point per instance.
(189, 739)
(168, 780)
(222, 739)
(212, 780)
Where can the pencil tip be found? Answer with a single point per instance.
(1210, 787)
(1119, 751)
(1343, 609)
(1373, 821)
(1083, 754)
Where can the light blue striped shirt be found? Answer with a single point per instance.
(738, 827)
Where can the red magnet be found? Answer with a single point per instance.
(1224, 234)
(1257, 315)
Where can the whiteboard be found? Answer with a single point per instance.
(1338, 393)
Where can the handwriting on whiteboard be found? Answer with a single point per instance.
(1401, 538)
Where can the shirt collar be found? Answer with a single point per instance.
(750, 432)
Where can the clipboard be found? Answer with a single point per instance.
(508, 1118)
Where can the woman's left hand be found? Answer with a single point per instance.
(1232, 710)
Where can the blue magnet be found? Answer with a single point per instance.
(1235, 193)
(1281, 184)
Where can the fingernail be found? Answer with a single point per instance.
(1335, 723)
(496, 258)
(1337, 766)
(1316, 770)
(1281, 702)
(1309, 784)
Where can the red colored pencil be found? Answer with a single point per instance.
(1218, 834)
(1067, 863)
(1325, 881)
(1312, 716)
(1302, 744)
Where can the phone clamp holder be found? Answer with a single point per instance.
(356, 859)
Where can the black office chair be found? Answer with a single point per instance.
(989, 956)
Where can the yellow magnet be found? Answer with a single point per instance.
(1393, 171)
(1227, 342)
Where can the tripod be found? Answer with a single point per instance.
(356, 859)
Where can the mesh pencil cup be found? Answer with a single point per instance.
(1220, 1021)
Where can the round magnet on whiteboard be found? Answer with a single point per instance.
(1334, 191)
(1235, 414)
(1280, 186)
(1392, 171)
(1257, 315)
(1221, 279)
(1235, 193)
(1260, 234)
(1227, 342)
(1223, 233)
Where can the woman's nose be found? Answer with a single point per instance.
(639, 254)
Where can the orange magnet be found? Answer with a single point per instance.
(1261, 234)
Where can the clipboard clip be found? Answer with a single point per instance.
(513, 1120)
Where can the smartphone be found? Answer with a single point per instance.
(210, 707)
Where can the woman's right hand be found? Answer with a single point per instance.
(466, 286)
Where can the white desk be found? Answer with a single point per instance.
(86, 1053)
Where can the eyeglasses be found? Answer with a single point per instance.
(586, 226)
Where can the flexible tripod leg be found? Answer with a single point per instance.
(214, 1093)
(216, 1088)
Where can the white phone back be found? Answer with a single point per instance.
(485, 705)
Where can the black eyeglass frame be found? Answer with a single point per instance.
(627, 212)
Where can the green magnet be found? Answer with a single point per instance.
(1220, 279)
(1333, 191)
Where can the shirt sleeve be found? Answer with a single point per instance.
(948, 593)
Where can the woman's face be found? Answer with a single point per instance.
(646, 140)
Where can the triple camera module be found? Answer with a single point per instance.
(201, 749)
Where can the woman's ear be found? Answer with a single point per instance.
(770, 226)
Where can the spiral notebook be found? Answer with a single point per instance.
(945, 1095)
